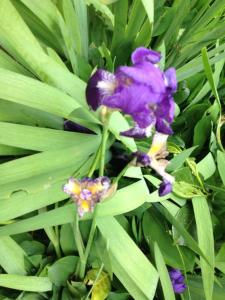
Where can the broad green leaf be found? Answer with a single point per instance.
(46, 162)
(8, 63)
(221, 165)
(191, 243)
(17, 113)
(25, 283)
(40, 139)
(13, 259)
(209, 74)
(220, 259)
(18, 40)
(186, 190)
(207, 166)
(117, 124)
(179, 159)
(27, 91)
(8, 150)
(163, 274)
(149, 7)
(103, 9)
(101, 284)
(155, 231)
(124, 200)
(135, 271)
(60, 271)
(206, 243)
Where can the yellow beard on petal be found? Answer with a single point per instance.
(85, 205)
(154, 149)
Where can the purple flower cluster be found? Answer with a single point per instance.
(87, 192)
(142, 91)
(177, 280)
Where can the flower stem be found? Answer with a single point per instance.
(95, 162)
(105, 135)
(85, 253)
(120, 175)
(80, 271)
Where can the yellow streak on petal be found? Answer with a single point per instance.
(95, 188)
(76, 189)
(155, 149)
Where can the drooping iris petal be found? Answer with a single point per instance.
(165, 188)
(171, 79)
(164, 115)
(101, 84)
(142, 54)
(136, 132)
(177, 280)
(142, 159)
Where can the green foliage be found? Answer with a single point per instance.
(127, 245)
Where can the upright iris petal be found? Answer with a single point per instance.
(142, 54)
(100, 85)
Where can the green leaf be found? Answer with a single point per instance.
(40, 139)
(221, 165)
(207, 166)
(13, 259)
(26, 283)
(155, 231)
(179, 159)
(18, 40)
(101, 284)
(124, 200)
(206, 243)
(60, 271)
(27, 91)
(163, 274)
(220, 259)
(186, 190)
(135, 271)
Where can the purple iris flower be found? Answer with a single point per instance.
(142, 91)
(177, 280)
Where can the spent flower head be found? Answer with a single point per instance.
(87, 192)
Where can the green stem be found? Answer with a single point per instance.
(53, 238)
(86, 252)
(120, 175)
(80, 247)
(95, 162)
(91, 234)
(103, 149)
(52, 235)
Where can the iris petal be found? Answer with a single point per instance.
(142, 54)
